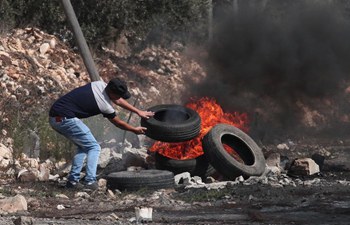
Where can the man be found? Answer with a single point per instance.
(86, 101)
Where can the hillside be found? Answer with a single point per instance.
(36, 68)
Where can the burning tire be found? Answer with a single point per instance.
(172, 123)
(232, 152)
(135, 180)
(196, 167)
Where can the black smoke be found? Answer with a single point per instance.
(272, 60)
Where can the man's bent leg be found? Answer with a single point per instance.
(88, 145)
(75, 130)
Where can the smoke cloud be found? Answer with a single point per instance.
(275, 60)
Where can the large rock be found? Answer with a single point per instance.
(305, 166)
(13, 204)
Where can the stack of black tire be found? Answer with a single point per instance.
(176, 123)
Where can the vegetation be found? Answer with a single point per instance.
(32, 133)
(103, 21)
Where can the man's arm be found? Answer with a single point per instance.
(125, 126)
(126, 105)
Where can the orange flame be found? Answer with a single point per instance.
(211, 114)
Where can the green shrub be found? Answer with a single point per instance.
(102, 22)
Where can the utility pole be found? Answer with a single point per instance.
(82, 45)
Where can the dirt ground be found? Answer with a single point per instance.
(320, 199)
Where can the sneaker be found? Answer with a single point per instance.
(74, 185)
(93, 185)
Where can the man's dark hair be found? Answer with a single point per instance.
(118, 87)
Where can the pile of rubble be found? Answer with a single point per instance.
(155, 75)
(33, 62)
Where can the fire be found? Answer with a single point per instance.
(211, 114)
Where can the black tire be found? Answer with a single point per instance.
(196, 167)
(249, 159)
(135, 180)
(172, 123)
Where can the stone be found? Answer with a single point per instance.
(143, 214)
(13, 204)
(102, 183)
(5, 152)
(283, 146)
(44, 172)
(304, 167)
(52, 43)
(27, 176)
(182, 178)
(44, 48)
(319, 159)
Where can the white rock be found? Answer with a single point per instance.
(44, 48)
(5, 152)
(143, 214)
(60, 207)
(182, 178)
(52, 43)
(283, 146)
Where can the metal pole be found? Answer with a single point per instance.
(83, 47)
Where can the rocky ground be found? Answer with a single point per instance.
(35, 68)
(274, 198)
(321, 200)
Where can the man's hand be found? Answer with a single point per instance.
(140, 130)
(145, 114)
(124, 104)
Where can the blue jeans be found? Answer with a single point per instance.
(76, 131)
